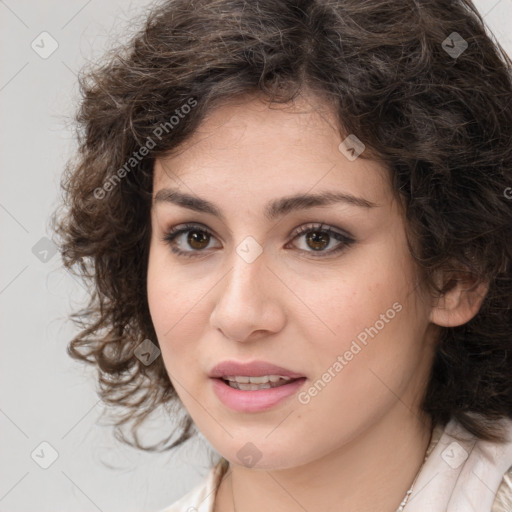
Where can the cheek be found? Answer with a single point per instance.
(338, 306)
(364, 372)
(167, 300)
(367, 325)
(171, 293)
(175, 304)
(158, 288)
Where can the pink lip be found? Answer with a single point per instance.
(252, 401)
(254, 369)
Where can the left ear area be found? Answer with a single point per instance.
(461, 302)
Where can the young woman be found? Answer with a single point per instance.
(296, 221)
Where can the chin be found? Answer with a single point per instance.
(263, 456)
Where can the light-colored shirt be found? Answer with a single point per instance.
(461, 474)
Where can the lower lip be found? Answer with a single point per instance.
(254, 401)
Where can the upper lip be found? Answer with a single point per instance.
(253, 369)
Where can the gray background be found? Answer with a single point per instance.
(44, 395)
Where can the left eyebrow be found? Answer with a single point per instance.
(274, 209)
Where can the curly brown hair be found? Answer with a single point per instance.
(434, 107)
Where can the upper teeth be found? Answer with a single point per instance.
(256, 380)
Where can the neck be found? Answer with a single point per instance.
(371, 473)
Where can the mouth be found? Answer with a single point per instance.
(254, 387)
(254, 372)
(246, 383)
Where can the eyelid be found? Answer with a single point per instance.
(319, 227)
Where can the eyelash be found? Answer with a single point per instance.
(175, 231)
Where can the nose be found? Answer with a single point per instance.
(248, 301)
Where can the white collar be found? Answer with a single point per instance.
(462, 473)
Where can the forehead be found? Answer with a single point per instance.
(245, 148)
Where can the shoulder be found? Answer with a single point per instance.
(202, 497)
(503, 500)
(474, 472)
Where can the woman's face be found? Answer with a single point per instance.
(343, 310)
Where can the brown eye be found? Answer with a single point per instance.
(195, 242)
(317, 240)
(198, 239)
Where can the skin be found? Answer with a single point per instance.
(358, 444)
